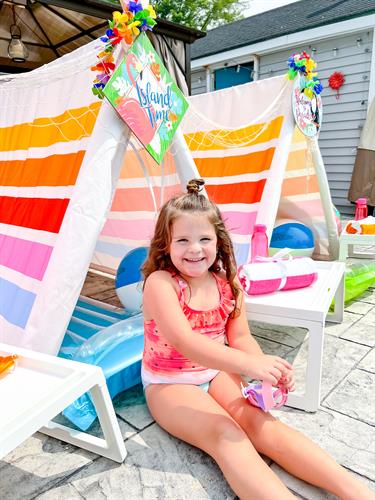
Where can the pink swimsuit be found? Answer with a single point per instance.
(163, 364)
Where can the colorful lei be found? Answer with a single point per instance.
(125, 27)
(304, 65)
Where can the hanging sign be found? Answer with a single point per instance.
(146, 97)
(307, 108)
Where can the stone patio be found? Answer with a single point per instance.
(160, 467)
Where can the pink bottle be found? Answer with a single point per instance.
(361, 209)
(259, 242)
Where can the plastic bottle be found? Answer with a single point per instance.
(361, 209)
(259, 242)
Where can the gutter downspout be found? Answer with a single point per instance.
(208, 78)
(256, 67)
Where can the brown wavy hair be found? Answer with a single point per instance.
(196, 203)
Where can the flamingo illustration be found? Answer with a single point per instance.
(132, 113)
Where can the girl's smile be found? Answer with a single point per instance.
(193, 244)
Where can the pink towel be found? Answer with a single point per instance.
(280, 274)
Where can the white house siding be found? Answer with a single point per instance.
(343, 118)
(198, 82)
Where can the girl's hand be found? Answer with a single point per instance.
(287, 382)
(269, 368)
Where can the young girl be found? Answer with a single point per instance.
(197, 347)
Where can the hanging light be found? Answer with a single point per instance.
(17, 50)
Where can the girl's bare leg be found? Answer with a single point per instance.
(192, 415)
(289, 448)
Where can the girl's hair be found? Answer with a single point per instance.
(195, 203)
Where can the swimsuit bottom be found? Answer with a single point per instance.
(204, 386)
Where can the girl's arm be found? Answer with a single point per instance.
(239, 337)
(160, 303)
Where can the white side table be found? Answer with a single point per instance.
(39, 388)
(305, 308)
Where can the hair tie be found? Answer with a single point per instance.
(194, 186)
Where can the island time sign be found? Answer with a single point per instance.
(147, 99)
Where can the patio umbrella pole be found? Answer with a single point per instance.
(333, 240)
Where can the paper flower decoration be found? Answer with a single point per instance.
(336, 81)
(124, 27)
(304, 65)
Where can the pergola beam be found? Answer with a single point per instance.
(81, 7)
(80, 34)
(69, 21)
(30, 9)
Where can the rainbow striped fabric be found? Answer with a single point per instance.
(47, 209)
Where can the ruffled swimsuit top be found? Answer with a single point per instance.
(162, 363)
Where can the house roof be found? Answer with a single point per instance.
(291, 18)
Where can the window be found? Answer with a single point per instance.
(233, 75)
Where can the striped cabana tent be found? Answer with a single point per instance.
(76, 189)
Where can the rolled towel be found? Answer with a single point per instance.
(277, 274)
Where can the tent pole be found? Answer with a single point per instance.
(185, 166)
(333, 240)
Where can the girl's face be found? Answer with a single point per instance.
(193, 244)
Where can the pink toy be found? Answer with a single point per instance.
(264, 395)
